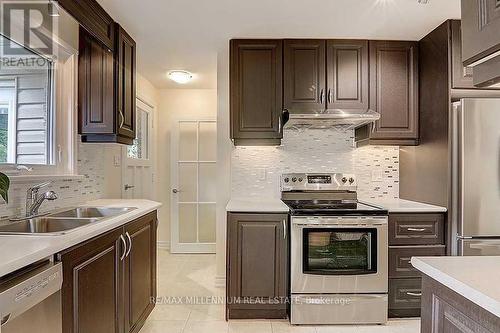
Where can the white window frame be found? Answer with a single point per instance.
(64, 137)
(11, 129)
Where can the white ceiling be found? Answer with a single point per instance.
(186, 34)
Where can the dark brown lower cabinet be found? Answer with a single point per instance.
(445, 311)
(110, 280)
(257, 266)
(140, 272)
(411, 235)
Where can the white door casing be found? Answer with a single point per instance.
(193, 192)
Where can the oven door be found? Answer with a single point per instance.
(339, 255)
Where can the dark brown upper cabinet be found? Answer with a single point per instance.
(256, 91)
(110, 280)
(93, 18)
(304, 75)
(320, 74)
(480, 29)
(481, 40)
(394, 92)
(461, 76)
(95, 86)
(126, 83)
(107, 89)
(347, 69)
(257, 255)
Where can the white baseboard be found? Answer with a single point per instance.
(220, 281)
(163, 245)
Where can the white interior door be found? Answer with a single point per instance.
(194, 150)
(137, 166)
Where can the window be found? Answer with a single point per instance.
(140, 147)
(27, 109)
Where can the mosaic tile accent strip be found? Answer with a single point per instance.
(255, 171)
(70, 192)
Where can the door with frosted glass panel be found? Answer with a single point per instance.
(194, 150)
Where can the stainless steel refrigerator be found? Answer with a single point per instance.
(475, 169)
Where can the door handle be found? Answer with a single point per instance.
(175, 191)
(409, 293)
(130, 244)
(124, 244)
(128, 187)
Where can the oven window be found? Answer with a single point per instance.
(331, 251)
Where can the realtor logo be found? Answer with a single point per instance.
(27, 30)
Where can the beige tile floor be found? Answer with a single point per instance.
(181, 275)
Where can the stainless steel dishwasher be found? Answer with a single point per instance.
(30, 299)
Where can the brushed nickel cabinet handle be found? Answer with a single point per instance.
(322, 96)
(284, 229)
(416, 229)
(129, 243)
(122, 121)
(409, 293)
(124, 244)
(330, 95)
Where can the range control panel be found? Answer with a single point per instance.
(318, 182)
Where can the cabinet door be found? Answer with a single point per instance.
(480, 27)
(256, 91)
(257, 264)
(91, 291)
(95, 87)
(461, 76)
(348, 77)
(126, 83)
(394, 91)
(140, 271)
(93, 18)
(304, 75)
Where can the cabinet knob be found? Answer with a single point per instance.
(175, 191)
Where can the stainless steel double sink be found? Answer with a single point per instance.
(61, 222)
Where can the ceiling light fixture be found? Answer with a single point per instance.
(180, 76)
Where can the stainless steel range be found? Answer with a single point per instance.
(338, 251)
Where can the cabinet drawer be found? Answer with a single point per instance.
(399, 259)
(405, 297)
(416, 229)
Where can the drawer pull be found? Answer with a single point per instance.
(409, 293)
(416, 229)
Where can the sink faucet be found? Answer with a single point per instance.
(35, 200)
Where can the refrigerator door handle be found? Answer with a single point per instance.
(464, 237)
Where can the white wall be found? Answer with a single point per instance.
(176, 104)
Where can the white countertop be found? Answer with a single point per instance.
(475, 278)
(19, 251)
(405, 206)
(273, 205)
(257, 205)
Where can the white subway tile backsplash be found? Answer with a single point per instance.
(314, 151)
(70, 192)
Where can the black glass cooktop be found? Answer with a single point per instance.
(332, 207)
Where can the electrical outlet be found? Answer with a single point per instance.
(261, 173)
(377, 175)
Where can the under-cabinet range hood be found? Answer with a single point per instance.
(329, 118)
